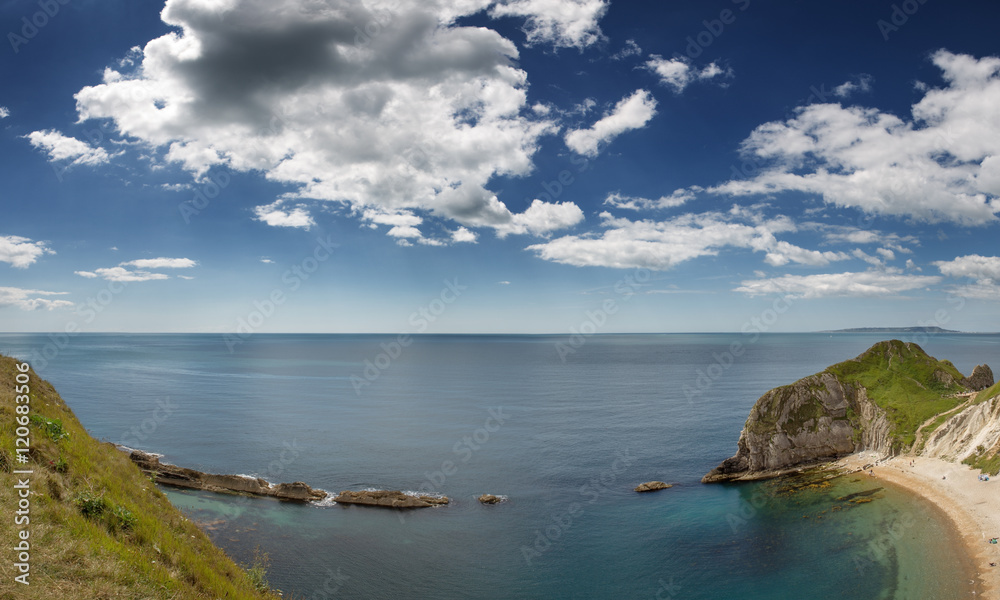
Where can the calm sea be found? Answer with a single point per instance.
(565, 436)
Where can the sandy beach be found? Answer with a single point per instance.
(971, 504)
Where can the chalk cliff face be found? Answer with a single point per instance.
(971, 432)
(815, 419)
(863, 404)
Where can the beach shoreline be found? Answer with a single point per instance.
(973, 506)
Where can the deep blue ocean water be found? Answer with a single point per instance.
(565, 440)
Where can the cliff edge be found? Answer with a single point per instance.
(92, 524)
(878, 401)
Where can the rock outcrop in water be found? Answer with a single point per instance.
(389, 499)
(189, 478)
(652, 486)
(877, 401)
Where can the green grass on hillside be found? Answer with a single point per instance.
(904, 381)
(988, 393)
(98, 527)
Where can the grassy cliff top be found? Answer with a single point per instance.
(906, 382)
(98, 527)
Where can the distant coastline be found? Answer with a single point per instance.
(892, 330)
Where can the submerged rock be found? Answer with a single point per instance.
(389, 499)
(241, 484)
(490, 499)
(652, 486)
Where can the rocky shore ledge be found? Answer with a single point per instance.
(389, 498)
(189, 478)
(296, 491)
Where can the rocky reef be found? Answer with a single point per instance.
(389, 499)
(878, 401)
(652, 486)
(189, 478)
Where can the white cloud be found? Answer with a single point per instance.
(848, 88)
(30, 300)
(868, 258)
(985, 270)
(266, 261)
(542, 218)
(139, 272)
(4, 112)
(275, 216)
(841, 234)
(630, 113)
(980, 291)
(384, 104)
(660, 245)
(631, 49)
(21, 251)
(61, 147)
(187, 277)
(679, 73)
(886, 253)
(161, 263)
(941, 165)
(677, 198)
(122, 274)
(462, 234)
(981, 268)
(503, 282)
(863, 284)
(567, 23)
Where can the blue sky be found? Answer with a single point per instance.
(533, 166)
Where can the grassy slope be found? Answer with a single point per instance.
(900, 378)
(140, 547)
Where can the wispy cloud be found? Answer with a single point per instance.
(31, 299)
(632, 112)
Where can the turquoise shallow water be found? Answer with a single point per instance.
(566, 441)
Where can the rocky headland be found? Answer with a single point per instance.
(892, 399)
